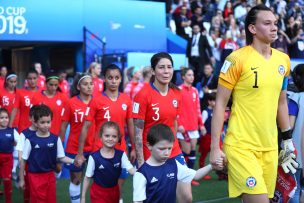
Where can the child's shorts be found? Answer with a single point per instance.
(6, 165)
(192, 135)
(251, 172)
(100, 194)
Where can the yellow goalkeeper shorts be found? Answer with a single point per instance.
(251, 172)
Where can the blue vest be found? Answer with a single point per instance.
(107, 171)
(28, 133)
(161, 181)
(208, 121)
(7, 141)
(43, 155)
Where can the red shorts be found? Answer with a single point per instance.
(104, 195)
(6, 165)
(42, 187)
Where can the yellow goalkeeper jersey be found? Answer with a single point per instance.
(256, 84)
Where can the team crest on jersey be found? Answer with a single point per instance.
(58, 102)
(174, 102)
(281, 70)
(250, 182)
(124, 107)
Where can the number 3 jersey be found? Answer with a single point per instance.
(256, 84)
(74, 114)
(103, 109)
(152, 107)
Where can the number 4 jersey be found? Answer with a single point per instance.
(256, 84)
(152, 107)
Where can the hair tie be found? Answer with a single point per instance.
(10, 76)
(83, 77)
(52, 77)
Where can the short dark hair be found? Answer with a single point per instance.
(298, 76)
(110, 124)
(3, 110)
(32, 70)
(41, 111)
(111, 67)
(159, 132)
(251, 19)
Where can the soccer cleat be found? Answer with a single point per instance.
(207, 177)
(195, 183)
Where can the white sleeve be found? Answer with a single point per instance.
(90, 167)
(60, 150)
(26, 150)
(125, 163)
(20, 143)
(139, 187)
(184, 174)
(204, 115)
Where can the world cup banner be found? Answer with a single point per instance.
(13, 21)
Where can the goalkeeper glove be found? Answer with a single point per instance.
(287, 155)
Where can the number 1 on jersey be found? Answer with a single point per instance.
(255, 79)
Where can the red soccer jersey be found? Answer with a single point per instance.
(129, 89)
(98, 86)
(102, 109)
(190, 116)
(64, 87)
(74, 114)
(149, 105)
(7, 100)
(57, 104)
(2, 79)
(23, 104)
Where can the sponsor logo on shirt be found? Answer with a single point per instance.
(124, 107)
(50, 144)
(170, 175)
(281, 70)
(154, 104)
(251, 182)
(8, 135)
(154, 180)
(105, 108)
(58, 102)
(174, 102)
(116, 165)
(135, 107)
(101, 166)
(36, 146)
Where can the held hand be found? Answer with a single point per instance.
(203, 130)
(82, 199)
(133, 156)
(21, 184)
(181, 129)
(215, 156)
(79, 160)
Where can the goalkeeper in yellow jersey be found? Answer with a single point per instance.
(256, 77)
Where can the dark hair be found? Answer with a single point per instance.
(32, 70)
(159, 132)
(155, 60)
(251, 19)
(298, 76)
(33, 110)
(52, 75)
(211, 96)
(41, 111)
(110, 124)
(185, 71)
(3, 110)
(111, 67)
(74, 91)
(8, 76)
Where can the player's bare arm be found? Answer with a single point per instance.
(221, 102)
(79, 159)
(139, 126)
(130, 124)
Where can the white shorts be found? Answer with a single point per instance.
(192, 134)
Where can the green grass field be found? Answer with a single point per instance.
(208, 191)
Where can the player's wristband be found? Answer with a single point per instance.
(287, 134)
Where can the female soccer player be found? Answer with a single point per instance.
(111, 105)
(156, 103)
(190, 118)
(256, 76)
(95, 71)
(53, 98)
(23, 103)
(81, 95)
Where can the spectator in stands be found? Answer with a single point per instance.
(241, 41)
(209, 11)
(198, 52)
(182, 23)
(197, 18)
(282, 42)
(227, 11)
(234, 28)
(214, 39)
(218, 22)
(240, 11)
(227, 45)
(297, 45)
(178, 9)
